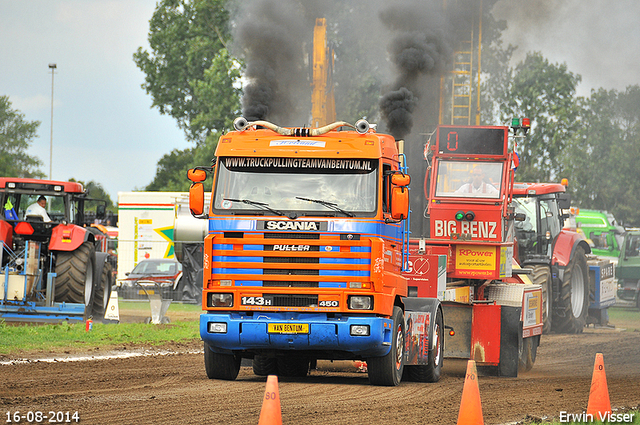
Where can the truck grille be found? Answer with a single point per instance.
(286, 259)
(284, 300)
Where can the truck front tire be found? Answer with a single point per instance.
(387, 370)
(221, 366)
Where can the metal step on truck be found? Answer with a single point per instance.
(54, 264)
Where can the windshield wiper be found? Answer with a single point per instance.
(262, 205)
(331, 205)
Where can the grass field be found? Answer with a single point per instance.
(49, 337)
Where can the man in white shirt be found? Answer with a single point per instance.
(38, 209)
(477, 185)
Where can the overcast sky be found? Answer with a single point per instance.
(103, 126)
(105, 130)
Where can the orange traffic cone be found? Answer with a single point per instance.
(599, 395)
(470, 406)
(270, 414)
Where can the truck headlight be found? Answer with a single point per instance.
(360, 302)
(217, 328)
(220, 300)
(359, 330)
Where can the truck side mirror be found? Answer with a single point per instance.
(196, 199)
(399, 203)
(101, 211)
(564, 201)
(400, 179)
(196, 175)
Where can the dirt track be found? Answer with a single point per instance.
(173, 388)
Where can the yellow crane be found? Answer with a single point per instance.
(323, 109)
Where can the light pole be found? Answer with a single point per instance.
(52, 66)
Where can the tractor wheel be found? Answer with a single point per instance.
(541, 275)
(570, 316)
(387, 370)
(264, 366)
(433, 369)
(221, 366)
(74, 281)
(297, 367)
(103, 292)
(528, 352)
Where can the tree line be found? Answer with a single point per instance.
(194, 74)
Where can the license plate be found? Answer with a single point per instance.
(147, 292)
(288, 328)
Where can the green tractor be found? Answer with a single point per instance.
(628, 269)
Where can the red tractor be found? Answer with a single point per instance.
(54, 264)
(556, 256)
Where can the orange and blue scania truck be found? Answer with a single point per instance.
(308, 256)
(305, 252)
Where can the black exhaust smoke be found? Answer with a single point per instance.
(269, 35)
(420, 47)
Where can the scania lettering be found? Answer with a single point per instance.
(292, 225)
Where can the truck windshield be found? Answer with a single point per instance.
(300, 185)
(633, 246)
(469, 179)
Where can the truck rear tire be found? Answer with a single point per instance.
(387, 370)
(103, 292)
(541, 275)
(570, 315)
(293, 366)
(74, 276)
(221, 366)
(528, 353)
(433, 369)
(265, 366)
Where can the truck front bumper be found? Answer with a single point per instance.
(245, 332)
